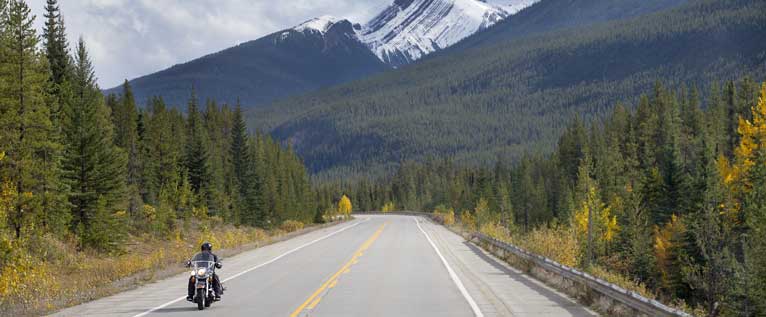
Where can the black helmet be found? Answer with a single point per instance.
(207, 246)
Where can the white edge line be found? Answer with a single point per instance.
(258, 266)
(455, 278)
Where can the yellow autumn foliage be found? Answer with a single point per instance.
(344, 206)
(495, 230)
(557, 242)
(388, 207)
(753, 139)
(468, 220)
(7, 196)
(150, 212)
(665, 238)
(449, 217)
(605, 225)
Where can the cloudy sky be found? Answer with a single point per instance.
(131, 38)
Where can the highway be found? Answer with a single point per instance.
(371, 266)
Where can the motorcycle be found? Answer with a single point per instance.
(203, 266)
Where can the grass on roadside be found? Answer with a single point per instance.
(45, 274)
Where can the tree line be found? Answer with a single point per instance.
(668, 194)
(78, 164)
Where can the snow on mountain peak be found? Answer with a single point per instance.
(407, 30)
(512, 6)
(320, 24)
(410, 29)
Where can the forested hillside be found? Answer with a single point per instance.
(676, 196)
(516, 96)
(548, 15)
(84, 178)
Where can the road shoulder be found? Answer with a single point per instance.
(499, 289)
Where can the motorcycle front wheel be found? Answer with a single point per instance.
(200, 301)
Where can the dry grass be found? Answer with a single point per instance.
(33, 282)
(291, 225)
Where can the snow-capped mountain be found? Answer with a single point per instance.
(410, 29)
(329, 32)
(324, 51)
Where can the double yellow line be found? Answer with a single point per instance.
(314, 299)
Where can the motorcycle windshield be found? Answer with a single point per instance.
(203, 256)
(203, 260)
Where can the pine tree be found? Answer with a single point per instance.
(160, 151)
(125, 120)
(571, 149)
(56, 49)
(754, 208)
(55, 43)
(95, 168)
(253, 191)
(731, 117)
(196, 156)
(239, 158)
(750, 169)
(32, 162)
(215, 125)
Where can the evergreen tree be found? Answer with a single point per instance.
(95, 168)
(571, 149)
(239, 157)
(161, 151)
(55, 43)
(32, 161)
(196, 156)
(713, 273)
(216, 126)
(125, 120)
(751, 165)
(731, 117)
(56, 49)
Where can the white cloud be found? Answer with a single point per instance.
(131, 38)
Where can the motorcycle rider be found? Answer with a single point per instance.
(207, 247)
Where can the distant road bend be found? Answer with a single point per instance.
(372, 266)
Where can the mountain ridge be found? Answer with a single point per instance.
(515, 97)
(334, 51)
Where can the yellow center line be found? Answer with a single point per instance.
(314, 303)
(314, 299)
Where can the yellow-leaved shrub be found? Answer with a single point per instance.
(388, 207)
(468, 220)
(557, 242)
(344, 206)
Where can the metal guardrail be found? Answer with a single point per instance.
(628, 298)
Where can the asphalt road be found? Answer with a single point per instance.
(373, 266)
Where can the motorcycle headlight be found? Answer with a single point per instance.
(201, 271)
